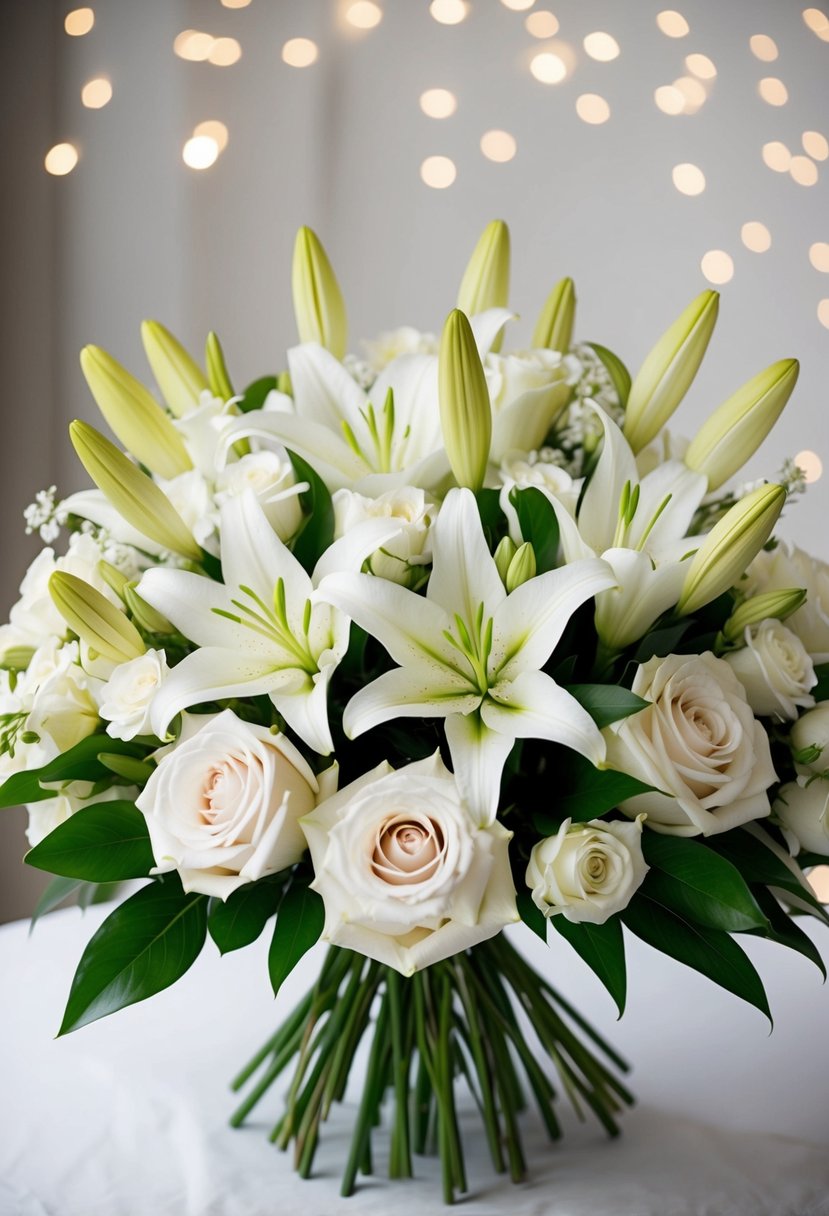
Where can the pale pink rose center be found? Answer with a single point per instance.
(225, 789)
(407, 849)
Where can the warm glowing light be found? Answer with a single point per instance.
(61, 159)
(200, 152)
(601, 46)
(816, 145)
(819, 256)
(438, 103)
(518, 6)
(693, 93)
(777, 156)
(438, 172)
(688, 179)
(542, 24)
(672, 23)
(819, 876)
(773, 91)
(811, 466)
(193, 45)
(763, 47)
(669, 99)
(235, 3)
(79, 22)
(755, 236)
(717, 266)
(499, 146)
(448, 12)
(96, 93)
(592, 108)
(364, 14)
(823, 313)
(700, 66)
(215, 130)
(548, 67)
(803, 170)
(300, 52)
(817, 21)
(224, 52)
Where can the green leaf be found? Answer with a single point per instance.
(710, 951)
(299, 923)
(661, 642)
(253, 398)
(580, 792)
(143, 947)
(90, 894)
(697, 883)
(538, 524)
(531, 914)
(616, 369)
(603, 949)
(80, 763)
(58, 890)
(759, 865)
(106, 842)
(493, 519)
(317, 532)
(241, 918)
(607, 703)
(782, 929)
(821, 690)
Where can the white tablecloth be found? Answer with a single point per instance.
(127, 1117)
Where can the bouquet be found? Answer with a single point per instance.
(398, 651)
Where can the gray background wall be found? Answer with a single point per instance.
(132, 232)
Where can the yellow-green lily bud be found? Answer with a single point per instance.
(217, 377)
(283, 384)
(771, 605)
(522, 567)
(318, 302)
(735, 431)
(485, 282)
(465, 410)
(94, 619)
(133, 494)
(179, 377)
(113, 578)
(503, 555)
(554, 327)
(146, 615)
(666, 375)
(16, 658)
(133, 414)
(730, 546)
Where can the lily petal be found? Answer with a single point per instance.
(210, 674)
(643, 591)
(487, 325)
(323, 390)
(686, 489)
(463, 572)
(96, 507)
(304, 707)
(254, 556)
(408, 693)
(599, 507)
(350, 551)
(524, 423)
(324, 450)
(192, 603)
(478, 758)
(414, 380)
(533, 706)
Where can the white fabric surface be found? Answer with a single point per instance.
(128, 1116)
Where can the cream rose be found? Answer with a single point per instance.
(809, 740)
(406, 340)
(512, 375)
(224, 804)
(271, 477)
(406, 875)
(128, 694)
(775, 671)
(787, 566)
(698, 743)
(404, 558)
(587, 871)
(803, 810)
(190, 495)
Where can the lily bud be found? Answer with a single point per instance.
(465, 410)
(94, 619)
(133, 494)
(217, 377)
(16, 658)
(503, 555)
(771, 605)
(318, 302)
(485, 282)
(735, 431)
(144, 613)
(522, 568)
(730, 546)
(134, 416)
(113, 578)
(554, 327)
(179, 377)
(668, 371)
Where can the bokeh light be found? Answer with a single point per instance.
(803, 170)
(224, 52)
(592, 108)
(717, 266)
(193, 45)
(499, 146)
(438, 172)
(823, 313)
(79, 22)
(200, 152)
(763, 47)
(542, 24)
(672, 23)
(96, 93)
(812, 467)
(548, 67)
(688, 178)
(438, 103)
(815, 145)
(755, 236)
(773, 91)
(819, 256)
(701, 66)
(61, 159)
(693, 93)
(669, 99)
(364, 14)
(300, 52)
(601, 46)
(817, 21)
(215, 130)
(777, 156)
(448, 12)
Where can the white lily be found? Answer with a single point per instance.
(472, 654)
(260, 632)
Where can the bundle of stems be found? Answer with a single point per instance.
(458, 1019)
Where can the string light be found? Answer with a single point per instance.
(717, 266)
(700, 66)
(438, 103)
(548, 67)
(592, 108)
(235, 3)
(601, 46)
(816, 145)
(96, 93)
(215, 130)
(773, 91)
(364, 14)
(755, 236)
(193, 45)
(300, 52)
(763, 47)
(438, 172)
(669, 99)
(542, 24)
(817, 22)
(693, 93)
(200, 152)
(688, 179)
(518, 6)
(777, 156)
(498, 146)
(61, 159)
(823, 313)
(79, 22)
(811, 465)
(448, 12)
(224, 52)
(803, 170)
(819, 256)
(672, 23)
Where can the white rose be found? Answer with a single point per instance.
(60, 697)
(402, 559)
(406, 874)
(698, 743)
(587, 871)
(272, 478)
(810, 733)
(204, 431)
(190, 495)
(34, 617)
(223, 805)
(784, 567)
(128, 695)
(803, 810)
(403, 341)
(775, 671)
(524, 371)
(49, 814)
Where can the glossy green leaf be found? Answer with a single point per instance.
(710, 951)
(106, 842)
(616, 369)
(580, 792)
(782, 929)
(603, 949)
(607, 703)
(80, 763)
(661, 642)
(317, 532)
(821, 690)
(241, 918)
(143, 947)
(299, 923)
(538, 524)
(759, 865)
(698, 884)
(531, 914)
(58, 890)
(253, 398)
